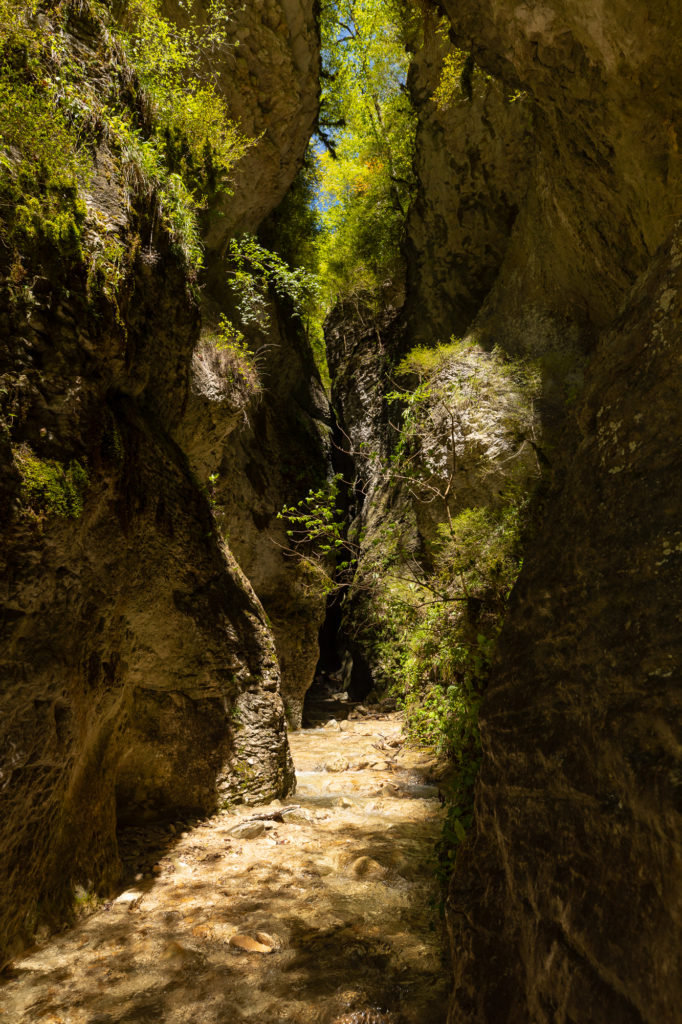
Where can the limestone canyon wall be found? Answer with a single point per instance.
(139, 670)
(566, 903)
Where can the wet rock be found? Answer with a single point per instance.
(248, 830)
(332, 724)
(249, 945)
(367, 867)
(336, 764)
(296, 815)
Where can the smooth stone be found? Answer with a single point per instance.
(296, 815)
(367, 867)
(128, 898)
(249, 945)
(248, 830)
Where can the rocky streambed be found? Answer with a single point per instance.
(316, 910)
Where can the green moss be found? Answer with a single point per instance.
(48, 487)
(56, 110)
(112, 442)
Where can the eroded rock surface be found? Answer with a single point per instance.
(565, 905)
(604, 102)
(138, 666)
(279, 451)
(573, 879)
(473, 157)
(269, 75)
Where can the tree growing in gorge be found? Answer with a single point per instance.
(367, 128)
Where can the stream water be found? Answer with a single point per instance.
(320, 914)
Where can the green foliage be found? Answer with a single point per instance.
(317, 537)
(292, 232)
(174, 65)
(431, 588)
(461, 392)
(226, 354)
(42, 163)
(146, 174)
(316, 519)
(449, 86)
(424, 362)
(459, 74)
(432, 632)
(293, 228)
(148, 89)
(368, 125)
(48, 487)
(256, 270)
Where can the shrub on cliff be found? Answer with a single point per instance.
(140, 86)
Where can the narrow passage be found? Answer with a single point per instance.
(315, 910)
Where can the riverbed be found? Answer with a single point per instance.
(318, 909)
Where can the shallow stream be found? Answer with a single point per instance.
(320, 914)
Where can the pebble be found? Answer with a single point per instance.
(332, 724)
(343, 726)
(336, 764)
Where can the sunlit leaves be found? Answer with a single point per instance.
(147, 90)
(368, 126)
(173, 67)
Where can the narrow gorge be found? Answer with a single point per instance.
(340, 373)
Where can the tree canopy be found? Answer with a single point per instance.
(365, 145)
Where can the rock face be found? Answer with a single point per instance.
(565, 905)
(604, 153)
(571, 887)
(280, 450)
(139, 672)
(472, 161)
(360, 351)
(270, 79)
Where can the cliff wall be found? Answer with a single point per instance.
(139, 672)
(565, 903)
(544, 229)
